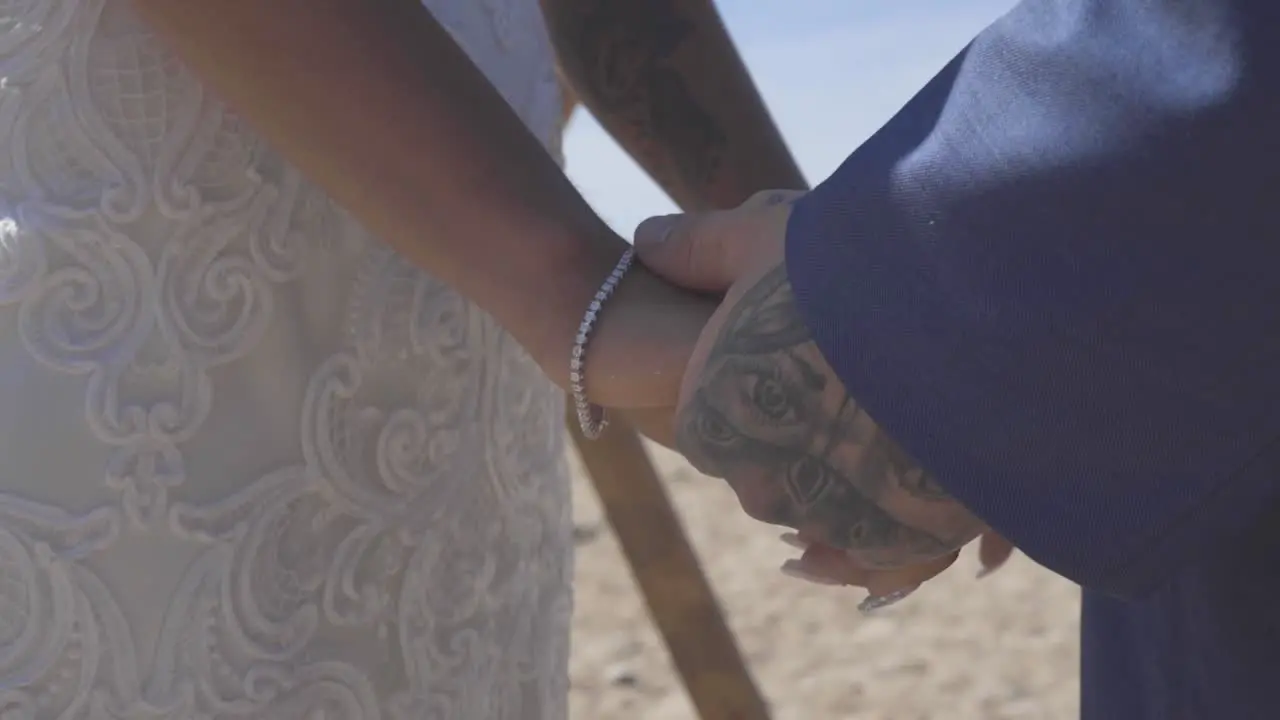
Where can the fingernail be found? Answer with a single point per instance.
(794, 569)
(880, 602)
(793, 539)
(655, 231)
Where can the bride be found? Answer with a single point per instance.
(253, 462)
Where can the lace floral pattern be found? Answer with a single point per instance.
(252, 464)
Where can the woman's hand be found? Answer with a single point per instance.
(657, 424)
(993, 552)
(761, 408)
(641, 346)
(638, 349)
(825, 565)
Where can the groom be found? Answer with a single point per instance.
(1050, 281)
(663, 77)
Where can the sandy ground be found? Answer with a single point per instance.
(1003, 647)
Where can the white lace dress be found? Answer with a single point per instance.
(252, 465)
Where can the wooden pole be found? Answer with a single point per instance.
(664, 565)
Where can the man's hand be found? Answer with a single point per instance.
(760, 407)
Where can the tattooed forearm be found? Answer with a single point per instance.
(619, 56)
(665, 79)
(770, 416)
(913, 479)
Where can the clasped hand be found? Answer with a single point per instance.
(734, 382)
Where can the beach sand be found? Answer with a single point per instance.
(1000, 648)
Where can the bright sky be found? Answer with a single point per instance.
(831, 71)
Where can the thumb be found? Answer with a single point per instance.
(692, 251)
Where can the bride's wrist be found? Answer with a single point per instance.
(641, 335)
(557, 306)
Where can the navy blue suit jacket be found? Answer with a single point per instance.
(1054, 277)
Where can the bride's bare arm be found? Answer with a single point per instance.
(374, 101)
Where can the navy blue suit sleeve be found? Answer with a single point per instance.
(1054, 277)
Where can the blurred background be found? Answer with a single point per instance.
(832, 72)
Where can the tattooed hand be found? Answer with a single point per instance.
(761, 408)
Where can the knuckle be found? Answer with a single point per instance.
(879, 561)
(771, 198)
(756, 501)
(755, 509)
(689, 443)
(689, 252)
(761, 198)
